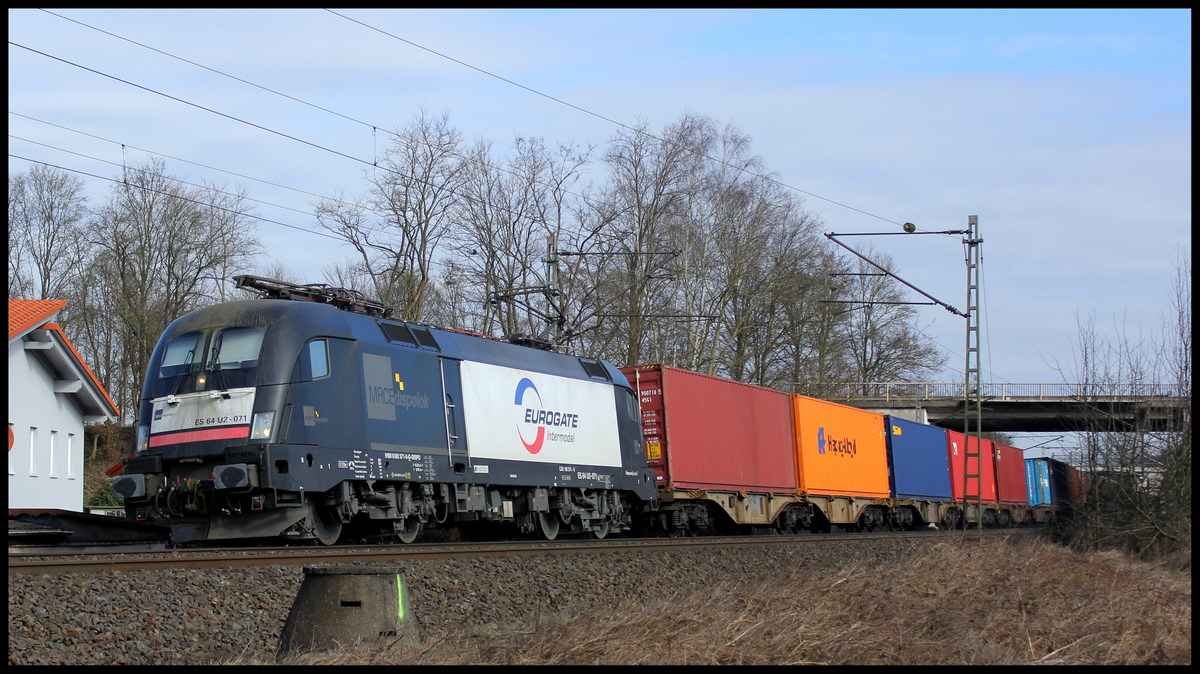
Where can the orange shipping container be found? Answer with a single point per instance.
(841, 450)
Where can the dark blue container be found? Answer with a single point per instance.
(918, 463)
(1059, 479)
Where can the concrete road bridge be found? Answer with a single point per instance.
(1027, 407)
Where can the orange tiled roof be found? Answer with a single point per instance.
(25, 314)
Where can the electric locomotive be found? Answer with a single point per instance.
(308, 414)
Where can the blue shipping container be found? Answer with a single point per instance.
(918, 463)
(1037, 481)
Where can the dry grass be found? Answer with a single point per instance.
(1019, 602)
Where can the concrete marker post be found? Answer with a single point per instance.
(339, 606)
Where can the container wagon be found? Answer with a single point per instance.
(1010, 474)
(841, 454)
(722, 452)
(918, 472)
(984, 485)
(1012, 487)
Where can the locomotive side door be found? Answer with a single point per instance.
(456, 431)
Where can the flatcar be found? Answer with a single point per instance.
(308, 414)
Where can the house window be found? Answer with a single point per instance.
(71, 456)
(53, 468)
(33, 447)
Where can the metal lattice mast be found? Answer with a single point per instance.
(972, 389)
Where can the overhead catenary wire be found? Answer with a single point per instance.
(194, 201)
(375, 128)
(611, 121)
(125, 147)
(260, 127)
(178, 180)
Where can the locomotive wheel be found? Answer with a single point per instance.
(602, 530)
(325, 523)
(547, 525)
(410, 531)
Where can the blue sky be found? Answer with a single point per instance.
(1068, 132)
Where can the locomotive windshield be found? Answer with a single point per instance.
(209, 360)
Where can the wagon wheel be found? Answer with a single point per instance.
(407, 530)
(684, 529)
(325, 523)
(547, 525)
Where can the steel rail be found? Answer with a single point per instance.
(248, 557)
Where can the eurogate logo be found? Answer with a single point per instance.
(531, 416)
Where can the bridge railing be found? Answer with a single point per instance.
(1005, 391)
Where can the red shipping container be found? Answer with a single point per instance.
(1078, 485)
(1010, 474)
(958, 457)
(705, 432)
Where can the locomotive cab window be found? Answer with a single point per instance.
(313, 362)
(209, 360)
(630, 406)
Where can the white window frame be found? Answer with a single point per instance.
(33, 447)
(51, 468)
(71, 456)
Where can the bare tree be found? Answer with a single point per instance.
(20, 284)
(412, 200)
(646, 196)
(1137, 496)
(815, 346)
(162, 251)
(510, 211)
(46, 211)
(886, 343)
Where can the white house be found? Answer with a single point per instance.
(51, 394)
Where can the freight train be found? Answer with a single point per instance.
(309, 414)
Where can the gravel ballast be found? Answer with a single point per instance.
(213, 616)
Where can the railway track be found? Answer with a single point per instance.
(68, 562)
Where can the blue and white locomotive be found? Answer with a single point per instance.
(320, 417)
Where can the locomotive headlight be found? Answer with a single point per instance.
(260, 425)
(143, 438)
